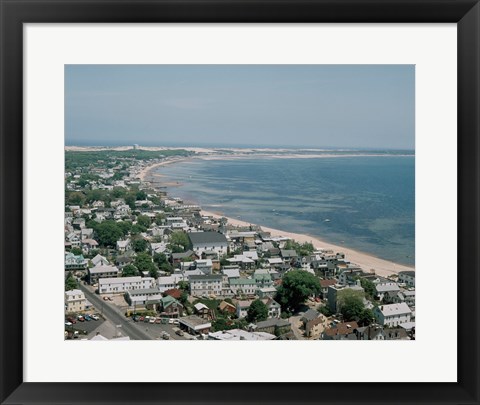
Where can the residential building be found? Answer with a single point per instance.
(243, 286)
(169, 282)
(203, 241)
(407, 277)
(204, 265)
(335, 293)
(392, 314)
(324, 284)
(239, 334)
(75, 301)
(171, 307)
(73, 262)
(102, 271)
(389, 289)
(123, 284)
(205, 285)
(99, 260)
(341, 331)
(142, 296)
(262, 278)
(275, 326)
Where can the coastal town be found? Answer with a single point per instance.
(141, 264)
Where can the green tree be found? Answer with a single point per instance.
(75, 198)
(70, 282)
(130, 199)
(257, 311)
(108, 233)
(159, 218)
(144, 221)
(179, 239)
(125, 226)
(325, 310)
(141, 195)
(140, 245)
(296, 287)
(183, 285)
(76, 251)
(369, 287)
(350, 303)
(183, 297)
(143, 262)
(366, 317)
(160, 259)
(129, 270)
(119, 192)
(304, 249)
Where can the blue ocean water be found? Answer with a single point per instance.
(362, 202)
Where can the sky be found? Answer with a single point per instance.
(322, 106)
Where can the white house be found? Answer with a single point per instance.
(407, 277)
(143, 296)
(205, 285)
(239, 334)
(123, 245)
(204, 241)
(75, 301)
(169, 282)
(205, 266)
(384, 288)
(123, 284)
(246, 286)
(392, 314)
(100, 260)
(101, 271)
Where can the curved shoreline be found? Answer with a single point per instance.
(367, 262)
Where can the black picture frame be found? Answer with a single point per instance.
(14, 13)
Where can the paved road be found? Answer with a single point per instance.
(115, 315)
(136, 330)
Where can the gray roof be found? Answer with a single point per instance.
(216, 277)
(272, 322)
(182, 255)
(207, 237)
(311, 314)
(288, 253)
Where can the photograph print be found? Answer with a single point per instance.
(239, 202)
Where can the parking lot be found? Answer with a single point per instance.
(85, 327)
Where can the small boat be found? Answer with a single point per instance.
(326, 220)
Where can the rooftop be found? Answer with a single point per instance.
(207, 237)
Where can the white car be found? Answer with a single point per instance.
(68, 324)
(94, 317)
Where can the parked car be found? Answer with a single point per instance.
(170, 321)
(87, 318)
(71, 319)
(105, 298)
(140, 319)
(151, 320)
(165, 335)
(179, 332)
(95, 317)
(68, 323)
(176, 322)
(158, 320)
(80, 318)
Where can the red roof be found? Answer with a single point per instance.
(326, 283)
(174, 292)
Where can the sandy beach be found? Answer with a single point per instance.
(146, 171)
(367, 262)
